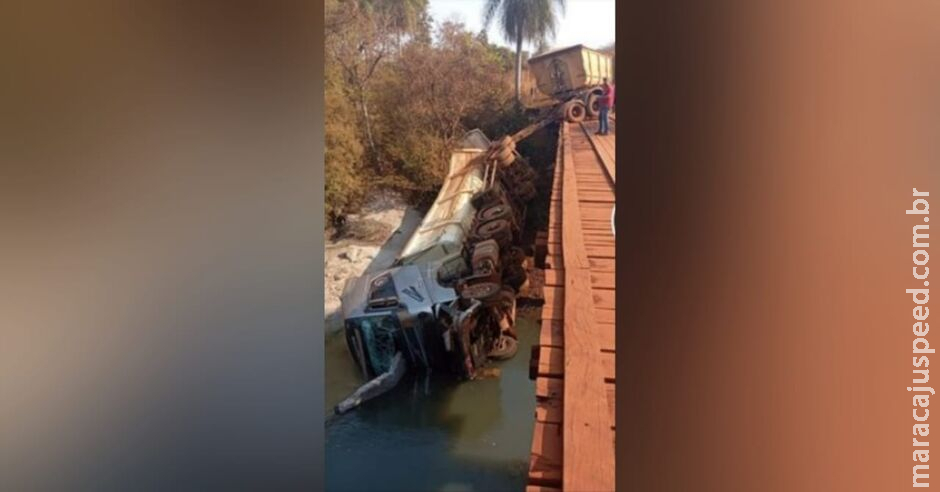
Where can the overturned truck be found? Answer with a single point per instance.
(448, 302)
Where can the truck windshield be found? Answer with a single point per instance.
(379, 339)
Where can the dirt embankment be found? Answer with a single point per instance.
(369, 242)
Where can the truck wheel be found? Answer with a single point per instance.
(521, 172)
(593, 107)
(504, 299)
(575, 112)
(480, 290)
(526, 192)
(486, 198)
(514, 277)
(495, 212)
(500, 230)
(504, 349)
(515, 256)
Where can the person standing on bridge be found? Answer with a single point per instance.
(605, 102)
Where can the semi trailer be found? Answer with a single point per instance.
(571, 77)
(448, 301)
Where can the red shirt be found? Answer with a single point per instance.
(607, 98)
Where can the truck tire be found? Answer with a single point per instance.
(521, 173)
(504, 348)
(525, 192)
(593, 107)
(501, 211)
(500, 230)
(503, 300)
(514, 276)
(481, 291)
(515, 256)
(575, 111)
(486, 198)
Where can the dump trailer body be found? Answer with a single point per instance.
(445, 226)
(566, 71)
(448, 302)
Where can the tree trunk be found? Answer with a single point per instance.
(367, 122)
(519, 68)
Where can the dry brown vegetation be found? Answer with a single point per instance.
(400, 91)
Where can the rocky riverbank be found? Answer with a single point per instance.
(370, 241)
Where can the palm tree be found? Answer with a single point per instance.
(523, 20)
(542, 47)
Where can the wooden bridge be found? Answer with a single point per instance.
(573, 439)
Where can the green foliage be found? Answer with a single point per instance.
(406, 16)
(398, 99)
(520, 21)
(530, 20)
(431, 96)
(344, 186)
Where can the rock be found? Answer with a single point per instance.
(368, 229)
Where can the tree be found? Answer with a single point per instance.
(523, 21)
(360, 35)
(398, 99)
(542, 47)
(431, 95)
(407, 17)
(344, 183)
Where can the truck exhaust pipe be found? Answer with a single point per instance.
(376, 387)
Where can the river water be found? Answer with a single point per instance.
(432, 433)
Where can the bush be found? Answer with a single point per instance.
(343, 175)
(422, 96)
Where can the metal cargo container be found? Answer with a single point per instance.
(445, 226)
(566, 71)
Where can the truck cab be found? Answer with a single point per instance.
(399, 310)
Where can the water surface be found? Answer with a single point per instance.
(432, 433)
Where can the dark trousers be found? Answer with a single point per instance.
(603, 125)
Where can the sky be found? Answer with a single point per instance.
(587, 22)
